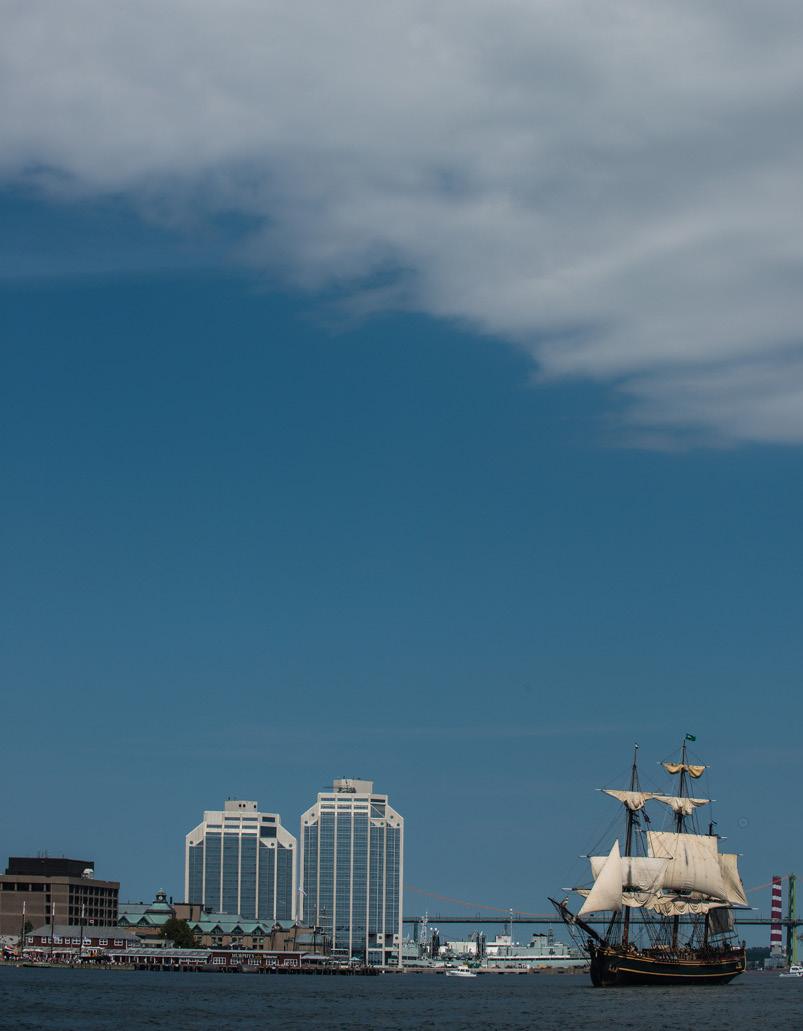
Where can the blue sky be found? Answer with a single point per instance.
(249, 546)
(403, 392)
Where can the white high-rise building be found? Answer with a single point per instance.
(241, 861)
(352, 871)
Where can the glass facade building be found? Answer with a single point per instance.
(352, 871)
(242, 862)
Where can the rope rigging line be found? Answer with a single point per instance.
(763, 887)
(476, 905)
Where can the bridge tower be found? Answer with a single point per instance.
(776, 915)
(791, 928)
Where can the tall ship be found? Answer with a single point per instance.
(662, 901)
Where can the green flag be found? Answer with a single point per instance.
(690, 737)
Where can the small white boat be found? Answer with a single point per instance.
(796, 970)
(461, 971)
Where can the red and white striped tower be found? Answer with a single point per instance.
(776, 936)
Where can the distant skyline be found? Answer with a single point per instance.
(410, 394)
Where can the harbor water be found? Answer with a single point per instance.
(107, 1000)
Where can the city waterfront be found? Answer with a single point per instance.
(102, 1000)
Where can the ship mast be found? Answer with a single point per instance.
(679, 817)
(629, 839)
(679, 826)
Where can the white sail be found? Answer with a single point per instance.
(671, 905)
(638, 899)
(686, 806)
(729, 868)
(629, 898)
(633, 800)
(693, 862)
(692, 770)
(664, 905)
(642, 872)
(607, 891)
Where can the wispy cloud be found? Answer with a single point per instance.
(613, 187)
(253, 739)
(250, 743)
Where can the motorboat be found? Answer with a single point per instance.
(461, 971)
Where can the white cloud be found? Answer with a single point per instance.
(613, 186)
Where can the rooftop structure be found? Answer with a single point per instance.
(50, 866)
(146, 919)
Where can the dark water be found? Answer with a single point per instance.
(65, 1000)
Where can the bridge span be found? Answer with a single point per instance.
(546, 918)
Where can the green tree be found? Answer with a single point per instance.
(179, 932)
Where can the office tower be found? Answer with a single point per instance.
(242, 862)
(54, 891)
(352, 862)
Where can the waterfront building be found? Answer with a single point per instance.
(217, 930)
(66, 940)
(241, 862)
(147, 920)
(352, 868)
(234, 960)
(40, 890)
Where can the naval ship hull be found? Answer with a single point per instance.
(612, 967)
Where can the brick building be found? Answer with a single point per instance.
(67, 940)
(44, 890)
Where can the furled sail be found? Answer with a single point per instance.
(633, 800)
(693, 771)
(638, 899)
(642, 872)
(693, 862)
(607, 891)
(664, 905)
(729, 868)
(672, 905)
(686, 806)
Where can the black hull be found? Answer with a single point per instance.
(612, 967)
